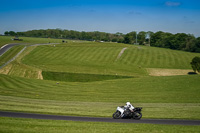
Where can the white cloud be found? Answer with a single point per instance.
(170, 3)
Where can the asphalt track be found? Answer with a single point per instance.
(6, 47)
(97, 119)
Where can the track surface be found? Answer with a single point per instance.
(95, 119)
(6, 47)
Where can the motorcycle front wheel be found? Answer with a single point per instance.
(117, 115)
(138, 115)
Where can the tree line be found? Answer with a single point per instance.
(179, 41)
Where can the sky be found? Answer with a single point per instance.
(112, 16)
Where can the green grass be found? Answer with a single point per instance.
(94, 58)
(98, 109)
(28, 40)
(163, 95)
(33, 40)
(78, 77)
(151, 57)
(10, 54)
(6, 39)
(17, 125)
(18, 69)
(178, 89)
(172, 97)
(101, 59)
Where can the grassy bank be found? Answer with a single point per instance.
(179, 89)
(102, 58)
(160, 95)
(78, 77)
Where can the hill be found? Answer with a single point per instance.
(96, 76)
(81, 57)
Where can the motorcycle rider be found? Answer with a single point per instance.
(129, 106)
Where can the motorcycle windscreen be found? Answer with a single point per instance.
(120, 109)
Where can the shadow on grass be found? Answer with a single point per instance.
(79, 77)
(191, 73)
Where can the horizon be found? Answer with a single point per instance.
(181, 16)
(100, 31)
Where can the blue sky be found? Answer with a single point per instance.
(174, 16)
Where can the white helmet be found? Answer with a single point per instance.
(128, 104)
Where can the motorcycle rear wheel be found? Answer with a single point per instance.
(138, 115)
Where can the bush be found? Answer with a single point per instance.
(196, 64)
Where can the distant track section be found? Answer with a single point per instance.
(7, 47)
(96, 119)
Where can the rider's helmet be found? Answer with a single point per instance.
(128, 104)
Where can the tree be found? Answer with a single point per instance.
(190, 43)
(6, 33)
(197, 45)
(141, 37)
(130, 38)
(157, 39)
(196, 64)
(9, 33)
(12, 33)
(180, 41)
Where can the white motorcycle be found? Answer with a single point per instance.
(124, 113)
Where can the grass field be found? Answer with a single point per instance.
(27, 40)
(90, 79)
(154, 95)
(94, 58)
(15, 125)
(104, 56)
(78, 77)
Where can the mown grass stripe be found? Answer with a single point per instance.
(168, 57)
(148, 58)
(76, 53)
(128, 57)
(144, 58)
(140, 57)
(107, 55)
(94, 56)
(87, 53)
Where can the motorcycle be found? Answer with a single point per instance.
(124, 113)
